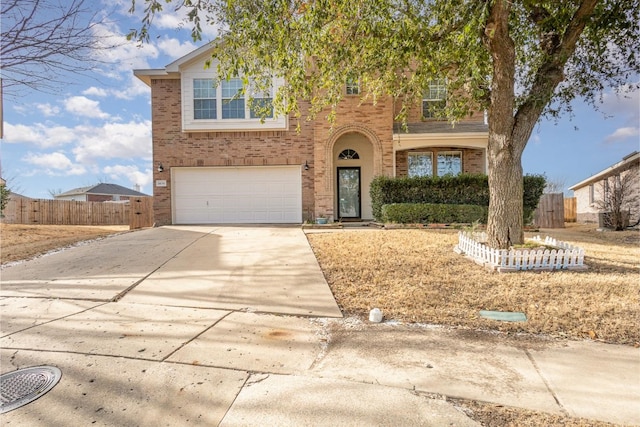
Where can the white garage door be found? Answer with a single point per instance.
(237, 195)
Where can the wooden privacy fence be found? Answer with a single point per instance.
(137, 213)
(141, 212)
(570, 209)
(550, 211)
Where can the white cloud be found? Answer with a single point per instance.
(54, 164)
(174, 48)
(48, 110)
(621, 134)
(130, 172)
(83, 106)
(170, 19)
(95, 91)
(90, 143)
(624, 104)
(134, 89)
(125, 56)
(39, 134)
(114, 140)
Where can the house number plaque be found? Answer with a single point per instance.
(161, 182)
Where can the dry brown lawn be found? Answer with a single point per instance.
(20, 241)
(414, 276)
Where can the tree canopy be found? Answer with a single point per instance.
(519, 60)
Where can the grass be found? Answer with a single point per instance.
(414, 276)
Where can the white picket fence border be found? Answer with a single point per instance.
(566, 257)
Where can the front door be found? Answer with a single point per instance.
(349, 192)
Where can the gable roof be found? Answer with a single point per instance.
(173, 69)
(109, 189)
(626, 163)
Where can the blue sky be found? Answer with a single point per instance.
(98, 129)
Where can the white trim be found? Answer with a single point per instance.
(176, 65)
(425, 140)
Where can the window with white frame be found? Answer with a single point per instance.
(434, 98)
(353, 86)
(232, 99)
(449, 163)
(261, 105)
(212, 104)
(204, 99)
(420, 164)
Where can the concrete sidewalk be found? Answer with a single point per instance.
(155, 342)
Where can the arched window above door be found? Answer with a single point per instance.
(348, 154)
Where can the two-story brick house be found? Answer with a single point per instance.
(216, 162)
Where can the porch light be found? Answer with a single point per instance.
(306, 165)
(160, 167)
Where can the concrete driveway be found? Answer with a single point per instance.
(263, 269)
(188, 326)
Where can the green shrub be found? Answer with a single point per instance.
(462, 189)
(426, 213)
(4, 197)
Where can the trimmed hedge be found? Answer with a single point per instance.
(462, 189)
(425, 213)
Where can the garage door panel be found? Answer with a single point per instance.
(270, 194)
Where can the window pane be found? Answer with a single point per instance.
(231, 88)
(232, 99)
(449, 163)
(353, 85)
(420, 164)
(203, 88)
(434, 98)
(204, 109)
(204, 99)
(233, 109)
(430, 109)
(261, 107)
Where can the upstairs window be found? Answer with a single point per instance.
(261, 106)
(204, 99)
(232, 99)
(353, 86)
(434, 99)
(213, 104)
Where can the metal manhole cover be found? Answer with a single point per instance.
(23, 386)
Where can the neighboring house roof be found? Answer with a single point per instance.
(108, 189)
(14, 196)
(434, 126)
(626, 163)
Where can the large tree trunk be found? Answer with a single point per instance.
(504, 226)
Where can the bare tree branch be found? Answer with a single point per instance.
(43, 40)
(620, 199)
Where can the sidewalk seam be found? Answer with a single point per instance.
(164, 359)
(546, 383)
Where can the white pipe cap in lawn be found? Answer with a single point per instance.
(375, 315)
